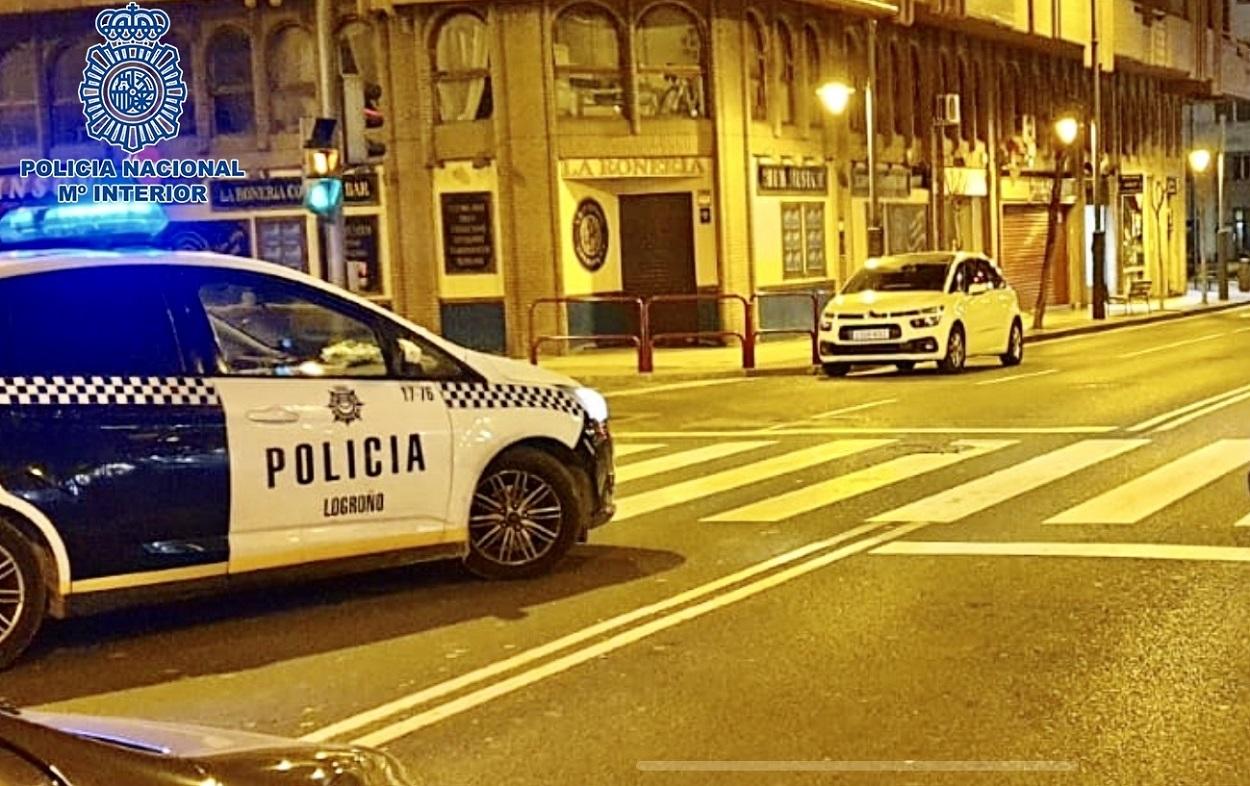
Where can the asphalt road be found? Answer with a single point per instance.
(1028, 575)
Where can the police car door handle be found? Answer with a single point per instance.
(272, 415)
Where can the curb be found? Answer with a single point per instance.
(795, 369)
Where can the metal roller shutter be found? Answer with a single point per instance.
(1024, 242)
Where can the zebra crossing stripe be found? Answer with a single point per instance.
(685, 458)
(622, 451)
(990, 490)
(731, 479)
(1147, 494)
(878, 476)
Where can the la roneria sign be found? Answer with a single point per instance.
(663, 166)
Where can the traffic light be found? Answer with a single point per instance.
(323, 189)
(362, 113)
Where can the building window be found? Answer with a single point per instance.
(1241, 243)
(462, 68)
(899, 97)
(857, 73)
(1241, 111)
(670, 64)
(283, 241)
(757, 68)
(230, 82)
(815, 77)
(919, 112)
(785, 56)
(17, 97)
(587, 54)
(292, 79)
(803, 239)
(186, 123)
(68, 124)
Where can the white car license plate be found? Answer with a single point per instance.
(870, 335)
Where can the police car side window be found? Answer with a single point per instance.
(109, 321)
(271, 328)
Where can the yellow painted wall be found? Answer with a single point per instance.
(767, 241)
(460, 176)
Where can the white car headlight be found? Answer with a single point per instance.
(593, 402)
(928, 317)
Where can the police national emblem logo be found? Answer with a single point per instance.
(132, 87)
(345, 405)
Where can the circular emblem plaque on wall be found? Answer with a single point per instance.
(590, 234)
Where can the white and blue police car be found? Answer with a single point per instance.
(178, 422)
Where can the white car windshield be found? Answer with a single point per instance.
(919, 277)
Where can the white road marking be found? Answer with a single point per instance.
(985, 492)
(437, 691)
(1147, 494)
(1166, 416)
(686, 458)
(853, 430)
(1201, 413)
(737, 477)
(878, 476)
(621, 451)
(695, 383)
(1172, 345)
(832, 413)
(1244, 329)
(1151, 551)
(1244, 521)
(1014, 377)
(402, 728)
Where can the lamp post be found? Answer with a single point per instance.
(1199, 161)
(836, 96)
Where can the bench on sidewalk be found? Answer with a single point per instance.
(1138, 289)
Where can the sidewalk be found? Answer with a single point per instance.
(793, 355)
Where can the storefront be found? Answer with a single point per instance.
(467, 247)
(1025, 224)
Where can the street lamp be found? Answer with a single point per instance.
(835, 96)
(1067, 128)
(1199, 162)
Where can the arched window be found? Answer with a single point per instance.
(17, 97)
(670, 64)
(920, 111)
(857, 74)
(462, 68)
(815, 77)
(292, 68)
(68, 124)
(186, 124)
(900, 99)
(757, 68)
(587, 54)
(967, 102)
(787, 77)
(230, 82)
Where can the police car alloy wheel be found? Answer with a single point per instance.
(22, 593)
(524, 517)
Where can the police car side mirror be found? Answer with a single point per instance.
(411, 353)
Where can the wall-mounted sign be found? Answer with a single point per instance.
(1036, 190)
(590, 234)
(602, 168)
(468, 245)
(361, 244)
(893, 182)
(1132, 184)
(285, 192)
(788, 179)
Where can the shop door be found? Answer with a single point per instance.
(1024, 243)
(657, 256)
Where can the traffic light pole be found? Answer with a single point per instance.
(1098, 248)
(334, 259)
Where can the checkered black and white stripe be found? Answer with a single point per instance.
(88, 391)
(484, 395)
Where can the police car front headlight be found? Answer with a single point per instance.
(593, 402)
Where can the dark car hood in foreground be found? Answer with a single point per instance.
(99, 751)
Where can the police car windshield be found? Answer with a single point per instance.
(911, 277)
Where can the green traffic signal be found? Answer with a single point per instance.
(323, 196)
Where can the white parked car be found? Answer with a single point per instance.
(912, 308)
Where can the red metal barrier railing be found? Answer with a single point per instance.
(812, 332)
(746, 337)
(638, 340)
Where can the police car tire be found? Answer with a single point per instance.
(563, 483)
(35, 603)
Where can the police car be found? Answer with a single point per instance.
(177, 422)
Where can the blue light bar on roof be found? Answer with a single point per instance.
(89, 222)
